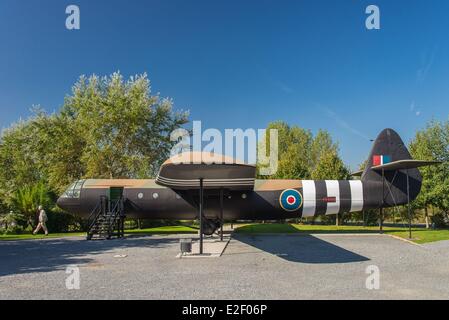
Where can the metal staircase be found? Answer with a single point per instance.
(107, 219)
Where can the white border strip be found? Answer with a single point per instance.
(333, 190)
(356, 195)
(309, 195)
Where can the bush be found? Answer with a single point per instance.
(11, 223)
(59, 221)
(15, 229)
(440, 220)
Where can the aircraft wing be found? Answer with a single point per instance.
(183, 172)
(357, 173)
(399, 165)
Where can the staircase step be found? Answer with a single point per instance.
(106, 225)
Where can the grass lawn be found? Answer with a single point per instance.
(149, 231)
(419, 235)
(28, 236)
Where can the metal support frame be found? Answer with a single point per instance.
(201, 214)
(408, 208)
(221, 214)
(408, 204)
(381, 213)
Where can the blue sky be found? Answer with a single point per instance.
(241, 64)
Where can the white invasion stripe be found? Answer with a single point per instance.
(333, 190)
(309, 195)
(356, 195)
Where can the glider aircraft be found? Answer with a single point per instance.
(214, 188)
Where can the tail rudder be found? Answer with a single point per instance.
(388, 148)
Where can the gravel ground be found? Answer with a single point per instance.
(252, 267)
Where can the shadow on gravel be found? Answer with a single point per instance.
(48, 255)
(301, 248)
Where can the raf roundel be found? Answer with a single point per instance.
(290, 200)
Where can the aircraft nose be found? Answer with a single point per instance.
(61, 203)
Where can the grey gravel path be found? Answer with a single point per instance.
(252, 267)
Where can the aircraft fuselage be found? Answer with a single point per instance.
(268, 200)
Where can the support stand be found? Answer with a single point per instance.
(408, 208)
(381, 218)
(201, 215)
(221, 214)
(381, 213)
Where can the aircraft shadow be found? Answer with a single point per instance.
(25, 256)
(302, 248)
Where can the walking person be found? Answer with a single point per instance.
(41, 221)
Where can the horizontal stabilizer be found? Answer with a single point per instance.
(404, 164)
(357, 173)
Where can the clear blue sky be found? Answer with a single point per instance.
(241, 64)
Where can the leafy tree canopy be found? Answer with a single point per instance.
(432, 143)
(108, 127)
(302, 155)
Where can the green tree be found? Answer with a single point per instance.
(299, 151)
(126, 130)
(293, 151)
(18, 158)
(60, 145)
(322, 145)
(27, 199)
(107, 128)
(330, 167)
(304, 156)
(432, 143)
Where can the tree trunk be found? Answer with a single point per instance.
(427, 217)
(337, 220)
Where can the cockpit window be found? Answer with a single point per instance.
(74, 190)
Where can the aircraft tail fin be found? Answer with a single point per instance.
(388, 157)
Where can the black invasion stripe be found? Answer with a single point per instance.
(321, 193)
(345, 196)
